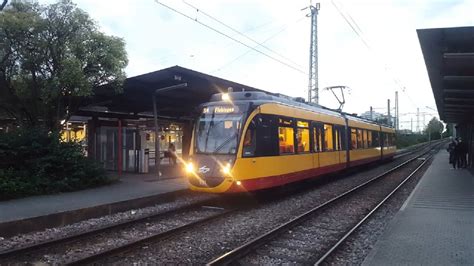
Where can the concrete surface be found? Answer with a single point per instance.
(435, 226)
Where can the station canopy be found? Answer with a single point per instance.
(449, 59)
(180, 103)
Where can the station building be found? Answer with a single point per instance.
(449, 59)
(132, 131)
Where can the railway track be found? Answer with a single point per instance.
(416, 149)
(89, 246)
(313, 236)
(76, 249)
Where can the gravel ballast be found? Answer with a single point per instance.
(208, 241)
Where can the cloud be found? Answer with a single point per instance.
(157, 37)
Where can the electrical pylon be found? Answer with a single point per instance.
(313, 56)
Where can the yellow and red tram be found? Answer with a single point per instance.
(247, 141)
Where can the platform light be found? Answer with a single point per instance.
(225, 97)
(238, 183)
(190, 167)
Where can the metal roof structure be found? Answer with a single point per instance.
(179, 103)
(449, 59)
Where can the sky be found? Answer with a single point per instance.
(391, 60)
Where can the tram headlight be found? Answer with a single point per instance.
(190, 167)
(226, 169)
(225, 97)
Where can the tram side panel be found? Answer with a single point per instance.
(280, 144)
(365, 146)
(388, 142)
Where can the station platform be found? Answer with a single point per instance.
(131, 191)
(435, 226)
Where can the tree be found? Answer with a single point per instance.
(434, 127)
(51, 59)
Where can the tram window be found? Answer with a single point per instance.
(250, 143)
(353, 139)
(375, 138)
(387, 143)
(285, 121)
(267, 136)
(391, 139)
(317, 139)
(320, 138)
(365, 139)
(342, 138)
(369, 138)
(261, 137)
(286, 140)
(302, 124)
(360, 140)
(302, 137)
(337, 138)
(328, 138)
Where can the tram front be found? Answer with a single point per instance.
(215, 144)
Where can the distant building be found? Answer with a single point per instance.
(378, 117)
(375, 115)
(405, 132)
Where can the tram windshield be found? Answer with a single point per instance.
(217, 131)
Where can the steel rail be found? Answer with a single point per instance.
(367, 216)
(80, 235)
(417, 149)
(158, 236)
(251, 245)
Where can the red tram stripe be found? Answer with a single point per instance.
(278, 180)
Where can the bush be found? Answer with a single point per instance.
(34, 162)
(404, 141)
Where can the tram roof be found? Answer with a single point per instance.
(179, 103)
(449, 59)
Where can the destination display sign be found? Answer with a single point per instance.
(218, 109)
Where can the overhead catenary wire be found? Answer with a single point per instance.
(230, 37)
(358, 31)
(255, 28)
(259, 44)
(248, 51)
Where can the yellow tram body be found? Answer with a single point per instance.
(310, 126)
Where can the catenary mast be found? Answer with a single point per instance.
(313, 56)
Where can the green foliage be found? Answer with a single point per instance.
(33, 162)
(406, 140)
(434, 128)
(449, 130)
(51, 58)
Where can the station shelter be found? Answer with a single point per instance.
(449, 59)
(133, 130)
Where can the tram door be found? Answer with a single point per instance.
(340, 143)
(331, 155)
(317, 143)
